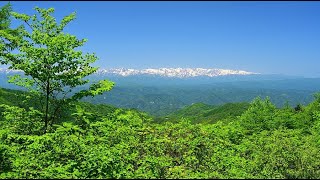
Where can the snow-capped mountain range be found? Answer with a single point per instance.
(164, 72)
(174, 72)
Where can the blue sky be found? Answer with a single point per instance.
(264, 37)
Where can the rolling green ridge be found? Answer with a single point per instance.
(162, 100)
(203, 113)
(19, 98)
(11, 97)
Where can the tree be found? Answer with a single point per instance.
(259, 116)
(298, 107)
(52, 66)
(8, 36)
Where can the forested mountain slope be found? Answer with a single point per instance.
(163, 96)
(203, 113)
(161, 101)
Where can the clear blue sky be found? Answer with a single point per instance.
(264, 37)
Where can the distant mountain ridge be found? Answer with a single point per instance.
(174, 72)
(161, 95)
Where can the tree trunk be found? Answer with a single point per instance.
(46, 119)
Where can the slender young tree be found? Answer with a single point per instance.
(52, 66)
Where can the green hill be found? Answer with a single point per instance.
(19, 98)
(11, 97)
(204, 113)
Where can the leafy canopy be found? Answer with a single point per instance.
(8, 36)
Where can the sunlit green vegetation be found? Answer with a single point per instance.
(100, 141)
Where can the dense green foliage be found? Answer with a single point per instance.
(9, 37)
(100, 141)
